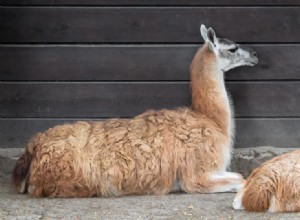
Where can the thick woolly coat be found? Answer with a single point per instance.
(148, 154)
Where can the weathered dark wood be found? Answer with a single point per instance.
(135, 62)
(250, 132)
(267, 132)
(251, 99)
(140, 24)
(150, 2)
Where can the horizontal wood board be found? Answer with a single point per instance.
(123, 57)
(251, 99)
(134, 63)
(147, 24)
(149, 2)
(250, 132)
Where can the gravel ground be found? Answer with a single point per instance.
(174, 206)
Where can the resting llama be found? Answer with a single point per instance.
(157, 152)
(273, 187)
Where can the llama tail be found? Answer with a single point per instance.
(255, 197)
(20, 172)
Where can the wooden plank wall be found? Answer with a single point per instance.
(62, 61)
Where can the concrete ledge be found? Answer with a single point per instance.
(173, 206)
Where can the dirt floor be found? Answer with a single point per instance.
(174, 206)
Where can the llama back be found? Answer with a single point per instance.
(119, 156)
(273, 187)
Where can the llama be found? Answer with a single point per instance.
(273, 187)
(157, 152)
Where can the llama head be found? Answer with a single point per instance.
(229, 54)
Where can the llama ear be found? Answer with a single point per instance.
(211, 36)
(203, 31)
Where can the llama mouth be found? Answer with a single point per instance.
(253, 62)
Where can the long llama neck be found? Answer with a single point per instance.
(209, 96)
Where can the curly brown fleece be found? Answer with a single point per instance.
(274, 186)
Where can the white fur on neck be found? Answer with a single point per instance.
(231, 126)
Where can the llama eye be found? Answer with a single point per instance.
(233, 50)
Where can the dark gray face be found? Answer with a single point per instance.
(232, 55)
(228, 53)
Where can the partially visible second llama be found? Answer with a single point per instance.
(156, 152)
(273, 187)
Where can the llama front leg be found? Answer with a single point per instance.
(237, 202)
(213, 183)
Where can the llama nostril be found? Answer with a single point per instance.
(254, 54)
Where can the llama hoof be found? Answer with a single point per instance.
(237, 202)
